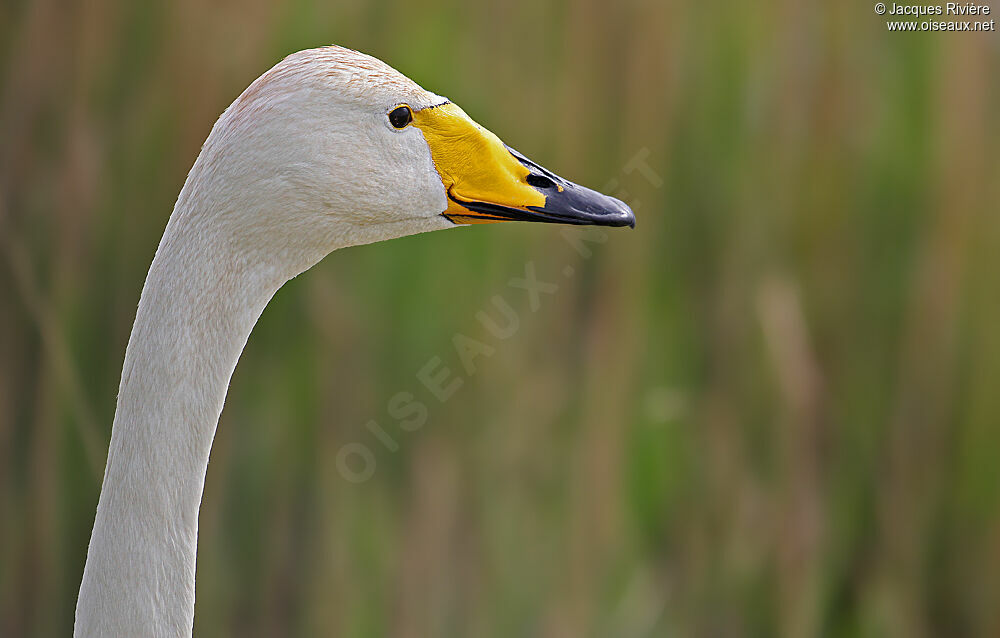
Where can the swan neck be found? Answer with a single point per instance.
(198, 306)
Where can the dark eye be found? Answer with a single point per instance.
(400, 116)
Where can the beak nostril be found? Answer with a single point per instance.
(539, 181)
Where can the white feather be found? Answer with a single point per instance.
(303, 163)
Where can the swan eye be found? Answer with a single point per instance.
(400, 116)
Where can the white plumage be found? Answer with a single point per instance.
(302, 163)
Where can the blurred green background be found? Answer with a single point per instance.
(769, 410)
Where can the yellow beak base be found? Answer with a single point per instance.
(488, 182)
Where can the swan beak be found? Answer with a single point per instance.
(487, 181)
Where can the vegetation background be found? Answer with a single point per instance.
(770, 410)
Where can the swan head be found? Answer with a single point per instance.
(332, 147)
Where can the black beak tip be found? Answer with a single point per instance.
(622, 215)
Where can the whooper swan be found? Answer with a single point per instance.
(330, 148)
